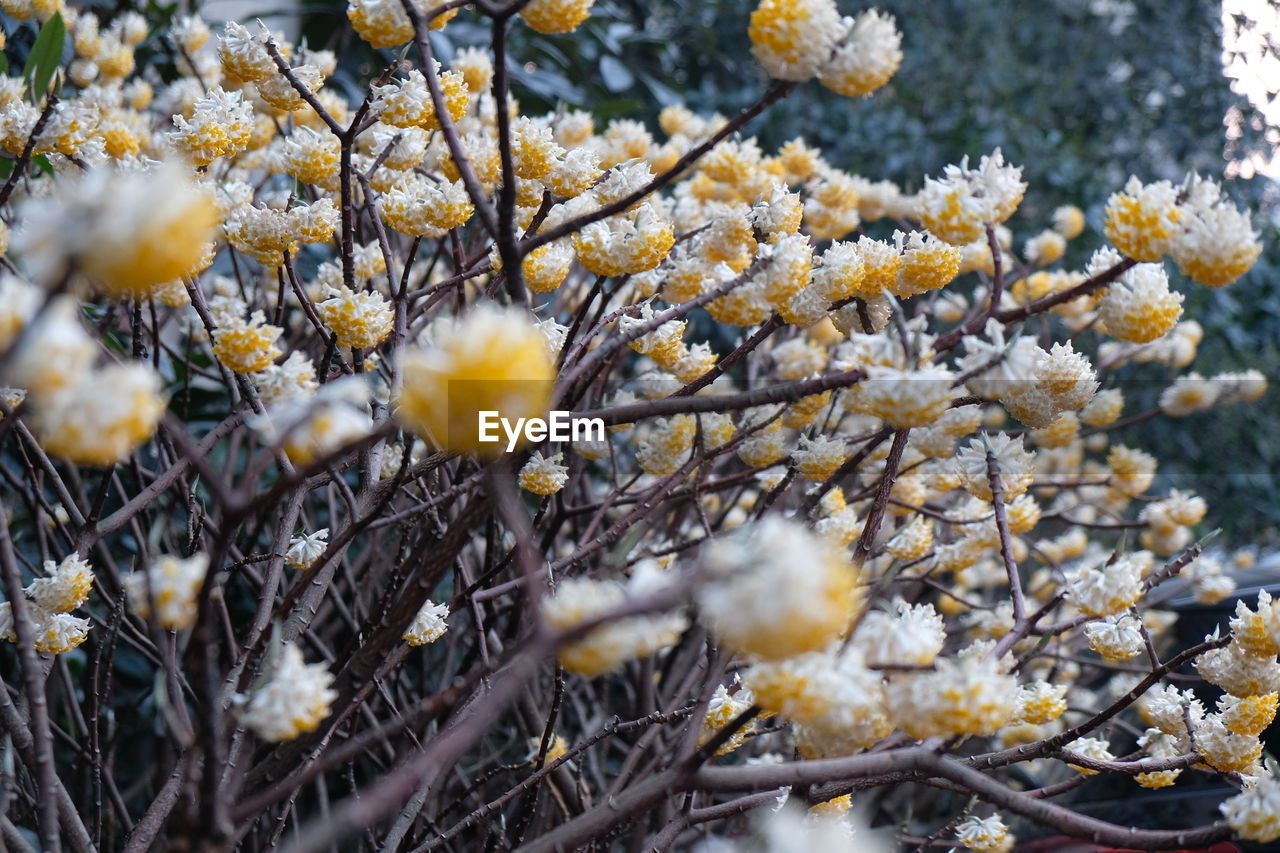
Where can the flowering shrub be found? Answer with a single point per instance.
(266, 580)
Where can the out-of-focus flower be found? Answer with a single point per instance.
(295, 699)
(128, 232)
(609, 646)
(102, 415)
(774, 590)
(172, 584)
(489, 360)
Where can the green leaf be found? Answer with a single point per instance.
(46, 56)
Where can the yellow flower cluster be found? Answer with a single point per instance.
(448, 382)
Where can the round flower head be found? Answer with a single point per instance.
(831, 205)
(296, 377)
(667, 446)
(1238, 671)
(129, 232)
(912, 637)
(774, 589)
(840, 272)
(428, 625)
(723, 708)
(1041, 702)
(312, 157)
(1014, 462)
(65, 587)
(663, 344)
(384, 23)
(1224, 750)
(102, 416)
(985, 835)
(907, 398)
(264, 234)
(627, 243)
(57, 351)
(359, 320)
(1090, 747)
(1254, 813)
(1116, 638)
(311, 429)
(1188, 394)
(1249, 716)
(1157, 744)
(423, 208)
(221, 125)
(57, 633)
(818, 458)
(793, 39)
(836, 703)
(244, 54)
(927, 264)
(246, 347)
(1140, 220)
(1104, 408)
(534, 150)
(695, 363)
(580, 600)
(490, 360)
(172, 584)
(965, 694)
(1259, 631)
(1068, 221)
(476, 68)
(1109, 587)
(777, 214)
(279, 92)
(295, 700)
(1139, 307)
(957, 207)
(408, 102)
(556, 16)
(1131, 470)
(575, 173)
(544, 476)
(998, 368)
(1045, 248)
(304, 550)
(913, 541)
(868, 53)
(1215, 242)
